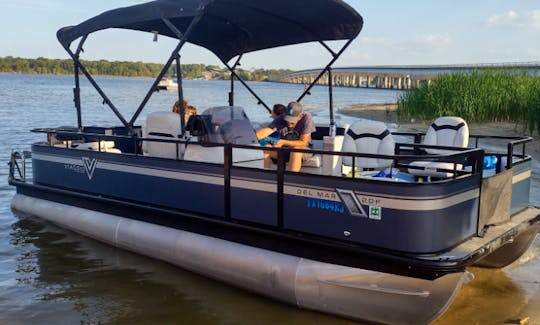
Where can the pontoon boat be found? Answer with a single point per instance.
(378, 226)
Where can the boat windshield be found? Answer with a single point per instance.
(227, 124)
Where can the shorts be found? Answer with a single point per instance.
(287, 156)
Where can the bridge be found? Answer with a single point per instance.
(393, 76)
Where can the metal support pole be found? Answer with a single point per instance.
(280, 188)
(77, 97)
(180, 95)
(335, 57)
(228, 161)
(77, 90)
(106, 99)
(332, 128)
(173, 56)
(260, 101)
(231, 93)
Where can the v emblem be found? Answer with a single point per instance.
(89, 166)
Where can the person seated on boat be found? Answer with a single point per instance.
(188, 109)
(277, 110)
(294, 128)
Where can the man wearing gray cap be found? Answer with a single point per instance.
(294, 127)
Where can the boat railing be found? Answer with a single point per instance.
(416, 136)
(18, 165)
(470, 156)
(513, 144)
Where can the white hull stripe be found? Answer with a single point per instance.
(418, 204)
(399, 203)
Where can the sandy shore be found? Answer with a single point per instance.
(388, 113)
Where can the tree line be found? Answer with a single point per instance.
(42, 65)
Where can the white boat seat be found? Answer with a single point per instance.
(318, 139)
(370, 137)
(446, 131)
(103, 146)
(113, 150)
(166, 126)
(97, 145)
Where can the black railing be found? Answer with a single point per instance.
(459, 154)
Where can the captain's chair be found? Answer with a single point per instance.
(370, 137)
(446, 131)
(166, 126)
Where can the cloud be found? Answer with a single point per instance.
(432, 42)
(514, 20)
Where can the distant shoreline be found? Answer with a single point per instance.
(190, 71)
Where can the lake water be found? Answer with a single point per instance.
(52, 276)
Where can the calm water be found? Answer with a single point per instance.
(52, 276)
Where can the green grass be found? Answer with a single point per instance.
(479, 96)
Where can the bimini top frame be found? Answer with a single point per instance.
(228, 28)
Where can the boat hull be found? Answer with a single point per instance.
(336, 208)
(330, 288)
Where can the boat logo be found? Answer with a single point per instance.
(89, 166)
(356, 205)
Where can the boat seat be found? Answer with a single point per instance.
(166, 126)
(103, 146)
(369, 137)
(446, 131)
(321, 141)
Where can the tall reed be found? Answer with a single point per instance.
(478, 96)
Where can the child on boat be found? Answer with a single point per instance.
(277, 110)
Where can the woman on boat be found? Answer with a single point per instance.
(188, 109)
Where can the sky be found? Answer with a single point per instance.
(395, 32)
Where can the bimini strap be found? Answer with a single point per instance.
(447, 126)
(355, 136)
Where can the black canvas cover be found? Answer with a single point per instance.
(231, 27)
